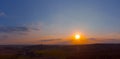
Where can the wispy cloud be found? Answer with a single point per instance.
(102, 40)
(3, 36)
(110, 41)
(47, 40)
(65, 42)
(2, 13)
(4, 29)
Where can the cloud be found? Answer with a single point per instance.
(2, 13)
(96, 40)
(111, 41)
(65, 42)
(92, 38)
(3, 37)
(47, 40)
(4, 29)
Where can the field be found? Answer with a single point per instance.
(95, 51)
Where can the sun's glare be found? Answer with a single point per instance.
(77, 36)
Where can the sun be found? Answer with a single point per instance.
(77, 36)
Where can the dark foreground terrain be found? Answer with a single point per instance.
(96, 51)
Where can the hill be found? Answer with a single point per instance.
(94, 51)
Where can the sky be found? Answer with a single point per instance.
(52, 21)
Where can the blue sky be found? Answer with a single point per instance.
(33, 20)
